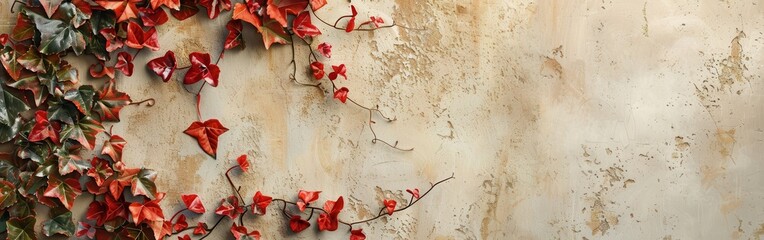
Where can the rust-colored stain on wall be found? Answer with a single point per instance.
(559, 119)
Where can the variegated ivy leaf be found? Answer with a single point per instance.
(60, 224)
(59, 32)
(10, 122)
(84, 132)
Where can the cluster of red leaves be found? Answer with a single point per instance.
(46, 165)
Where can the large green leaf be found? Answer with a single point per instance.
(84, 132)
(10, 122)
(24, 207)
(82, 98)
(61, 111)
(58, 35)
(60, 224)
(8, 57)
(31, 83)
(95, 41)
(21, 228)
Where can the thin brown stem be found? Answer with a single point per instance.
(149, 102)
(227, 176)
(209, 231)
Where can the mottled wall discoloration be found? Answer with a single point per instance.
(560, 120)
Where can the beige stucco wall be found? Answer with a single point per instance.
(559, 119)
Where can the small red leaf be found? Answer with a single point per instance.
(180, 224)
(149, 210)
(113, 42)
(340, 70)
(43, 129)
(202, 69)
(229, 207)
(239, 232)
(193, 203)
(341, 94)
(297, 224)
(390, 206)
(279, 9)
(317, 4)
(215, 6)
(357, 234)
(414, 192)
(153, 17)
(329, 221)
(244, 13)
(186, 10)
(234, 38)
(137, 38)
(124, 9)
(163, 66)
(84, 229)
(200, 229)
(184, 237)
(172, 4)
(325, 49)
(206, 134)
(303, 27)
(261, 202)
(377, 21)
(105, 71)
(306, 197)
(243, 163)
(318, 70)
(124, 63)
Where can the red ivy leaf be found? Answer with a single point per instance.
(193, 203)
(113, 42)
(244, 13)
(84, 229)
(318, 70)
(187, 9)
(173, 4)
(215, 6)
(229, 207)
(97, 211)
(124, 9)
(100, 170)
(317, 4)
(272, 32)
(202, 69)
(124, 63)
(243, 163)
(206, 134)
(23, 30)
(377, 21)
(153, 17)
(279, 9)
(357, 234)
(163, 66)
(105, 71)
(329, 221)
(43, 129)
(4, 37)
(340, 70)
(184, 237)
(306, 197)
(149, 210)
(297, 224)
(66, 190)
(303, 27)
(240, 232)
(261, 202)
(414, 192)
(113, 147)
(114, 209)
(390, 205)
(137, 38)
(110, 101)
(200, 229)
(325, 49)
(341, 94)
(234, 38)
(351, 23)
(180, 224)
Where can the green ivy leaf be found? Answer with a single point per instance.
(21, 228)
(70, 162)
(61, 111)
(24, 207)
(82, 98)
(31, 83)
(58, 35)
(31, 184)
(8, 57)
(67, 73)
(84, 132)
(60, 224)
(10, 122)
(143, 183)
(7, 194)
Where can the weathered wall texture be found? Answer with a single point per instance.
(560, 120)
